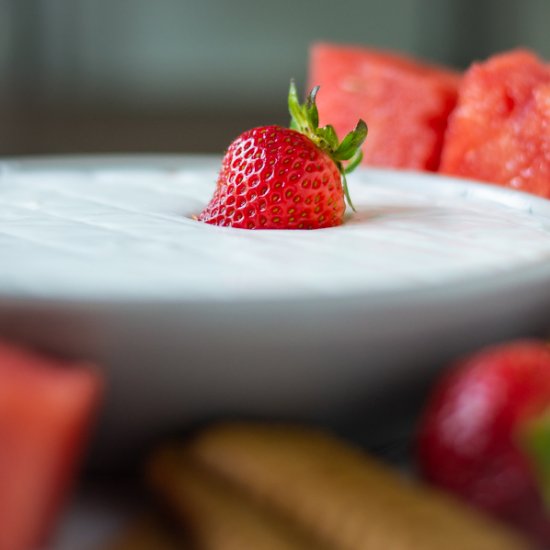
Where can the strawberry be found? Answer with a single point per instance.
(485, 434)
(286, 178)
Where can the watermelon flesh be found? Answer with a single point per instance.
(404, 102)
(45, 412)
(500, 130)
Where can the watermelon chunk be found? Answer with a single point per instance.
(500, 130)
(45, 410)
(404, 102)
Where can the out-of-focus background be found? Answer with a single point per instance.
(189, 75)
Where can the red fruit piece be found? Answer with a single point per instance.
(273, 177)
(406, 102)
(281, 178)
(500, 130)
(45, 410)
(476, 437)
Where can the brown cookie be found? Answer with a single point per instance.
(340, 495)
(214, 514)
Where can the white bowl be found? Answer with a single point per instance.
(101, 259)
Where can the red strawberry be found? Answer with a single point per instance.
(281, 178)
(485, 434)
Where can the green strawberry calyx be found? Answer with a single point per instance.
(346, 154)
(534, 440)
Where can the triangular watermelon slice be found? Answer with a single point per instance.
(45, 411)
(500, 130)
(404, 102)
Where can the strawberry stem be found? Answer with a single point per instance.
(346, 154)
(535, 442)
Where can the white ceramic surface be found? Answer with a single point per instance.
(100, 258)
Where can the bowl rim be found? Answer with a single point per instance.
(516, 279)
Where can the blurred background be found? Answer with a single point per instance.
(189, 75)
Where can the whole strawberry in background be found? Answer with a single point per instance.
(286, 178)
(485, 434)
